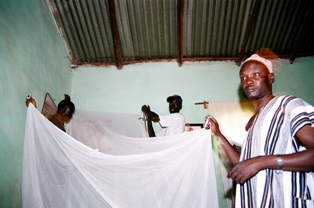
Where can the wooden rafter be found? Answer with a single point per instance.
(115, 34)
(248, 30)
(180, 31)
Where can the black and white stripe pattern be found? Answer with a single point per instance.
(273, 132)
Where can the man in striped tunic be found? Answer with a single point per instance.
(276, 165)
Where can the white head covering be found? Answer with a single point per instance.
(266, 62)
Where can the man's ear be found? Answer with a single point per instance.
(271, 78)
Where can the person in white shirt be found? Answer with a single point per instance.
(173, 123)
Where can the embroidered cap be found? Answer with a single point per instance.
(266, 62)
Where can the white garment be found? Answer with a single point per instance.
(172, 124)
(59, 171)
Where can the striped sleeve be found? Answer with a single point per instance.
(301, 114)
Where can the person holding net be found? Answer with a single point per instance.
(64, 112)
(275, 167)
(173, 123)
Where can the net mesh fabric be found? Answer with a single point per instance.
(119, 170)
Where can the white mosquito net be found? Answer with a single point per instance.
(118, 170)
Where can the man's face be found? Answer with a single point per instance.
(174, 106)
(256, 80)
(67, 114)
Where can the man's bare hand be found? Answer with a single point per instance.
(245, 170)
(213, 125)
(30, 100)
(67, 97)
(145, 108)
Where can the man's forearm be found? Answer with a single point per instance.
(296, 162)
(153, 116)
(150, 128)
(231, 152)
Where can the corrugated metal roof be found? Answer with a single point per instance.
(119, 32)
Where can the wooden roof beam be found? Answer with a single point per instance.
(248, 30)
(180, 31)
(115, 34)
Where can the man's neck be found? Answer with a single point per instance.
(175, 112)
(260, 103)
